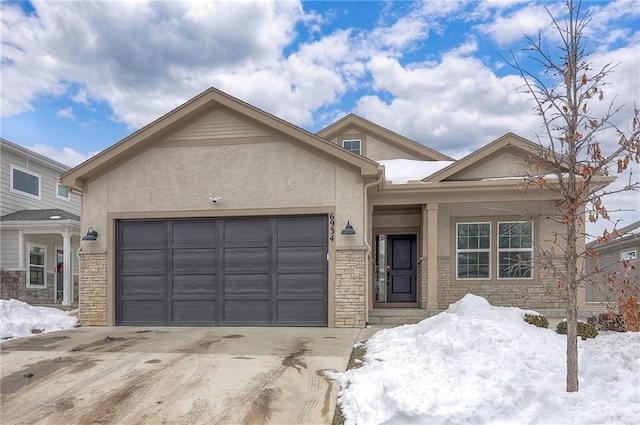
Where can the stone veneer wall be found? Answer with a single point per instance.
(423, 281)
(520, 294)
(350, 287)
(93, 288)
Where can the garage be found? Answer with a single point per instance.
(255, 271)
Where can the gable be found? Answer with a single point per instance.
(217, 125)
(507, 162)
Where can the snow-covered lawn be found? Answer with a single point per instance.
(18, 319)
(479, 364)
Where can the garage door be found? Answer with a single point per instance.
(268, 271)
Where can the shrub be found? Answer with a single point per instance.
(537, 320)
(585, 330)
(608, 322)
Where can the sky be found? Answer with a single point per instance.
(78, 76)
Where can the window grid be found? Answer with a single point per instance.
(37, 275)
(352, 145)
(473, 250)
(515, 250)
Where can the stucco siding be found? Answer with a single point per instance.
(506, 163)
(378, 150)
(217, 125)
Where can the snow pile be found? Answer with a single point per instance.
(400, 171)
(18, 319)
(478, 364)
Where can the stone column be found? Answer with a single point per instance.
(350, 287)
(93, 288)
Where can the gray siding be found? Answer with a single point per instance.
(12, 202)
(9, 249)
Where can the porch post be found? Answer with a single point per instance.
(432, 257)
(67, 270)
(21, 250)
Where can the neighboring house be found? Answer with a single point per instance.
(39, 229)
(221, 214)
(619, 255)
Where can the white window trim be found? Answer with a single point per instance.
(474, 250)
(353, 140)
(29, 285)
(24, 170)
(66, 198)
(499, 250)
(625, 254)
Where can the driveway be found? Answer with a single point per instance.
(174, 375)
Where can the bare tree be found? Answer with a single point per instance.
(577, 157)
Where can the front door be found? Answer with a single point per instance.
(401, 268)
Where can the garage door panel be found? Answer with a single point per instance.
(246, 311)
(300, 230)
(194, 233)
(144, 286)
(302, 257)
(296, 285)
(147, 260)
(311, 312)
(137, 233)
(246, 285)
(250, 232)
(246, 259)
(201, 259)
(194, 285)
(194, 311)
(144, 311)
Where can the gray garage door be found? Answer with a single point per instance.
(268, 271)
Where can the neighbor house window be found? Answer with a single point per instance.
(515, 250)
(473, 249)
(37, 266)
(628, 255)
(62, 192)
(352, 145)
(25, 182)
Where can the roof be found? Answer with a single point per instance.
(394, 139)
(627, 233)
(193, 109)
(20, 150)
(40, 215)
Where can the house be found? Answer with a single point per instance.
(219, 213)
(619, 255)
(39, 229)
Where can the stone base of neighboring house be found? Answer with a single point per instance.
(14, 286)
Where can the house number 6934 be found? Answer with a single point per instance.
(332, 226)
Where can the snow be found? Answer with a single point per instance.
(18, 319)
(479, 364)
(400, 171)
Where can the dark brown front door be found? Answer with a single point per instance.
(401, 269)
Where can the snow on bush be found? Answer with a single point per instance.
(479, 364)
(19, 319)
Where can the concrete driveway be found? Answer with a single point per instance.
(173, 375)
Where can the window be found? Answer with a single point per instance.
(25, 182)
(515, 250)
(37, 266)
(473, 249)
(628, 255)
(352, 145)
(62, 192)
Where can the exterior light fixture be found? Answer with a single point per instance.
(348, 230)
(91, 235)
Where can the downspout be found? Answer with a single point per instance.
(368, 257)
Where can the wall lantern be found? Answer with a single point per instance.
(91, 235)
(348, 230)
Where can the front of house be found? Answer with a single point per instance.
(221, 214)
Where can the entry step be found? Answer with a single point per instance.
(396, 316)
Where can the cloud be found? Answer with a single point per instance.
(64, 155)
(66, 113)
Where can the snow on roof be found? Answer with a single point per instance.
(400, 171)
